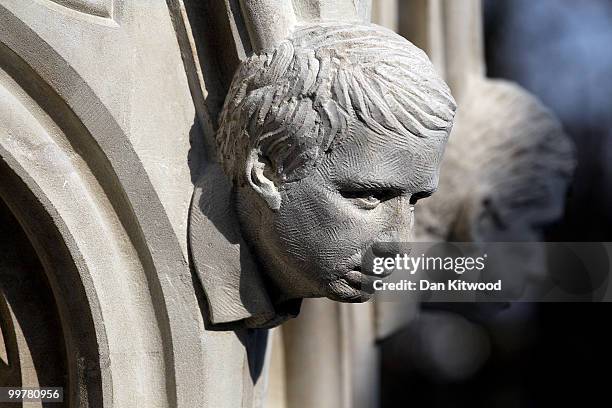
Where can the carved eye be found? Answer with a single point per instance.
(369, 202)
(368, 199)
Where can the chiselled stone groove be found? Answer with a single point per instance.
(98, 8)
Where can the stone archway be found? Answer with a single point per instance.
(33, 349)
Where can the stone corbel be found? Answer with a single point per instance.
(237, 294)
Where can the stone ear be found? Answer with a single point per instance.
(258, 171)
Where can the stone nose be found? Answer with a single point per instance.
(396, 239)
(386, 249)
(403, 221)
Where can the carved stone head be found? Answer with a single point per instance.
(329, 140)
(505, 173)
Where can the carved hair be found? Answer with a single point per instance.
(294, 103)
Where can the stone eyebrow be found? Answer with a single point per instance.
(370, 184)
(422, 194)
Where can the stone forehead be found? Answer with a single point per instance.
(365, 155)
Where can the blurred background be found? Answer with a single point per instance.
(560, 51)
(530, 354)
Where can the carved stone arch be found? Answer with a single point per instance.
(70, 176)
(87, 349)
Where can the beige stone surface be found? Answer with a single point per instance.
(94, 140)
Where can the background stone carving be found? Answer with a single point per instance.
(505, 173)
